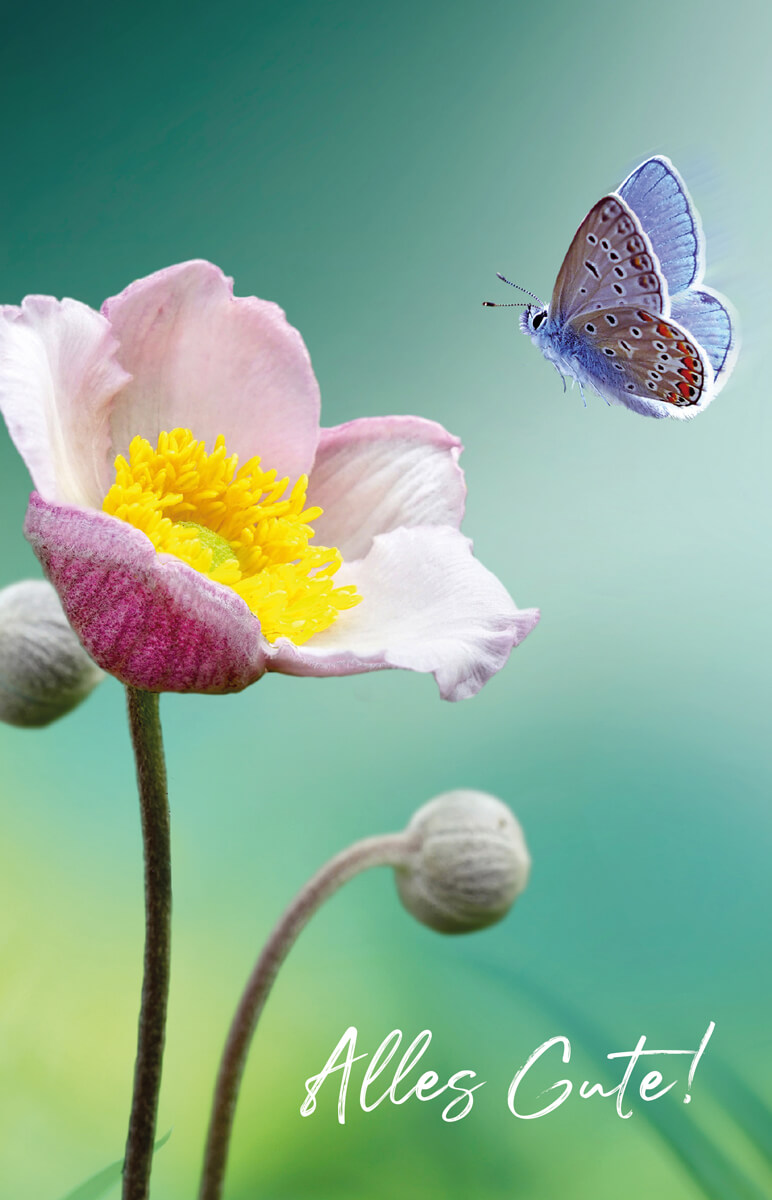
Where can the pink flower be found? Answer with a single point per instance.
(180, 571)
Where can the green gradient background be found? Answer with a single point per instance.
(369, 168)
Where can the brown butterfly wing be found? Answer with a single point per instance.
(640, 353)
(609, 264)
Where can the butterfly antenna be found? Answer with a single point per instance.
(504, 279)
(516, 304)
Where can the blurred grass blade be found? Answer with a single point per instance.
(100, 1184)
(716, 1175)
(750, 1110)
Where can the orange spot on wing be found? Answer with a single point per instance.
(665, 330)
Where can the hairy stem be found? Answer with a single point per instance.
(387, 850)
(147, 742)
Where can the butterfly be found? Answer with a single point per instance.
(630, 316)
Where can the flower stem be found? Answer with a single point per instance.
(146, 739)
(387, 850)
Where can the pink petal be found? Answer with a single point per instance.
(427, 605)
(215, 364)
(379, 473)
(147, 618)
(58, 376)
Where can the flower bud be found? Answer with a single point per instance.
(44, 670)
(471, 864)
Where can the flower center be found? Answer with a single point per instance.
(237, 526)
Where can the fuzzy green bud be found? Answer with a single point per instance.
(44, 670)
(470, 865)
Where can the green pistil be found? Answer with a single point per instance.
(221, 550)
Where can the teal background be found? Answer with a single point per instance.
(370, 167)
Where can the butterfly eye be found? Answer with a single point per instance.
(537, 320)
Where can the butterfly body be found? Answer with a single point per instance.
(562, 346)
(629, 317)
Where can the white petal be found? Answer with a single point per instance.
(205, 360)
(58, 377)
(427, 605)
(379, 473)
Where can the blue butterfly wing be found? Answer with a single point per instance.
(709, 323)
(657, 195)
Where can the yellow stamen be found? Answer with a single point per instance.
(236, 526)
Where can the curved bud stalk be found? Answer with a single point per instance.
(459, 866)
